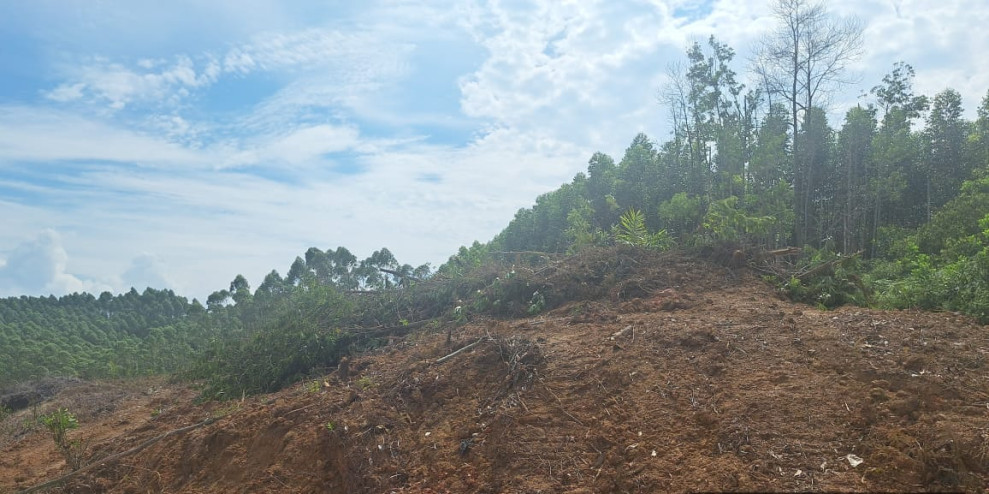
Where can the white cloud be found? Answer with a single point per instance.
(944, 40)
(66, 92)
(118, 86)
(300, 147)
(354, 58)
(39, 267)
(147, 270)
(42, 135)
(555, 82)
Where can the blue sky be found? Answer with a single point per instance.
(178, 144)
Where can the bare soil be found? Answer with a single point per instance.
(703, 379)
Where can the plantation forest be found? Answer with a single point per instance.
(889, 207)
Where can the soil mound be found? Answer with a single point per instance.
(691, 377)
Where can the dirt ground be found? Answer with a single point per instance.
(707, 382)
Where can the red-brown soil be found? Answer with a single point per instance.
(708, 382)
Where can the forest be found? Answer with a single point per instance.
(893, 200)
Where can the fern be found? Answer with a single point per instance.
(631, 230)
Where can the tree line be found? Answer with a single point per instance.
(157, 331)
(900, 186)
(900, 182)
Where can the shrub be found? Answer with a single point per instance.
(828, 280)
(304, 336)
(59, 423)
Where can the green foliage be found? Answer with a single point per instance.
(953, 230)
(81, 335)
(303, 335)
(726, 222)
(59, 423)
(581, 233)
(682, 214)
(365, 382)
(954, 282)
(631, 230)
(827, 280)
(537, 303)
(312, 386)
(500, 289)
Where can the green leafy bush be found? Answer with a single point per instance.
(919, 280)
(59, 423)
(303, 336)
(828, 280)
(726, 222)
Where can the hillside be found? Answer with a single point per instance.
(700, 378)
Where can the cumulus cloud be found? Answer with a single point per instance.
(38, 267)
(147, 270)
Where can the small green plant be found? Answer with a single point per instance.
(311, 387)
(631, 230)
(59, 423)
(231, 409)
(365, 382)
(460, 315)
(329, 426)
(537, 303)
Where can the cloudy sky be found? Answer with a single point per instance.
(177, 144)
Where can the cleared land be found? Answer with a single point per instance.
(688, 376)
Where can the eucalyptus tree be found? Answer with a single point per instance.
(713, 123)
(801, 61)
(240, 290)
(601, 171)
(980, 137)
(854, 167)
(896, 151)
(818, 201)
(947, 165)
(636, 175)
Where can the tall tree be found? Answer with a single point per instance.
(854, 164)
(240, 290)
(800, 62)
(944, 137)
(817, 204)
(896, 179)
(601, 172)
(980, 138)
(633, 186)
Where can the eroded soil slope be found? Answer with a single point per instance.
(708, 381)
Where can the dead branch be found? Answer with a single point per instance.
(825, 266)
(380, 331)
(115, 457)
(619, 334)
(472, 345)
(525, 253)
(781, 252)
(406, 276)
